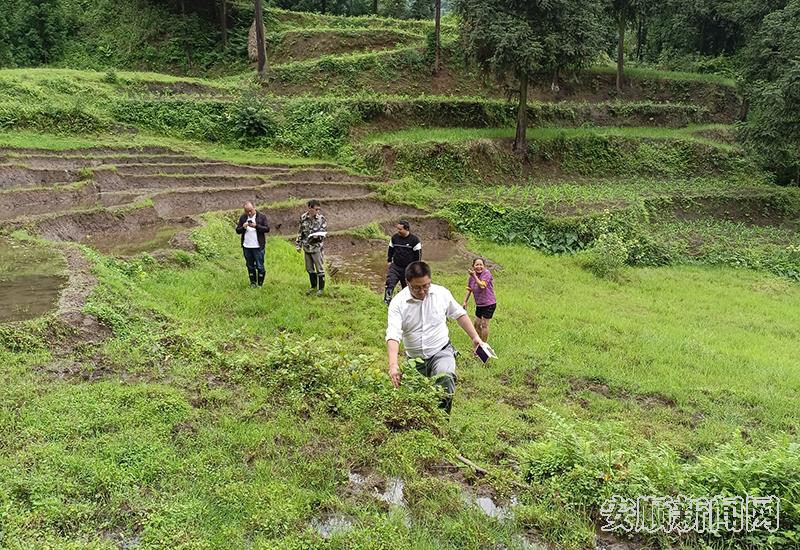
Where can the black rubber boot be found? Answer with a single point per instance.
(387, 296)
(321, 278)
(313, 278)
(261, 276)
(253, 277)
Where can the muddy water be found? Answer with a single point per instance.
(146, 239)
(367, 263)
(30, 281)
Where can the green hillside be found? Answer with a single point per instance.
(646, 263)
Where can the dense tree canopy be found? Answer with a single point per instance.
(772, 85)
(704, 27)
(32, 32)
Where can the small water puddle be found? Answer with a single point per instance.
(393, 495)
(146, 239)
(30, 280)
(331, 525)
(488, 506)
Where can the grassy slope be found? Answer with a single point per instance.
(180, 442)
(549, 133)
(745, 349)
(653, 74)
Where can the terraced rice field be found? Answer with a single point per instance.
(123, 201)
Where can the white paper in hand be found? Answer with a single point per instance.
(318, 235)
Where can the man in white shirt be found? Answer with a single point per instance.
(418, 317)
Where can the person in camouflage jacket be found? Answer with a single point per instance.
(312, 221)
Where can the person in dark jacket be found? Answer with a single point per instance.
(404, 249)
(253, 228)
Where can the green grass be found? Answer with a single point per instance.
(342, 32)
(349, 62)
(217, 417)
(547, 192)
(655, 74)
(195, 435)
(549, 133)
(211, 151)
(289, 20)
(39, 74)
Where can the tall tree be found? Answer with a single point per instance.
(624, 13)
(375, 7)
(223, 19)
(261, 50)
(705, 27)
(503, 41)
(395, 8)
(520, 38)
(421, 9)
(437, 15)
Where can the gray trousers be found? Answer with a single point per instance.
(315, 262)
(441, 368)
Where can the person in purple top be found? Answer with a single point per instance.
(481, 284)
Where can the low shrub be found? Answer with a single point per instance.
(509, 225)
(207, 120)
(51, 117)
(606, 257)
(252, 122)
(571, 469)
(308, 373)
(315, 130)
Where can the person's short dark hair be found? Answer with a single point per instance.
(405, 224)
(313, 202)
(415, 270)
(475, 260)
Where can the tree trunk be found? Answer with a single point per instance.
(521, 139)
(438, 35)
(621, 52)
(260, 48)
(702, 46)
(554, 87)
(223, 16)
(744, 109)
(324, 6)
(375, 7)
(639, 37)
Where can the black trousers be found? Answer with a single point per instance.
(395, 274)
(254, 257)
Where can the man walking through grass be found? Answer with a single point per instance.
(253, 228)
(311, 238)
(404, 248)
(418, 318)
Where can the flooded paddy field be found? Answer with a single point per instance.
(31, 278)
